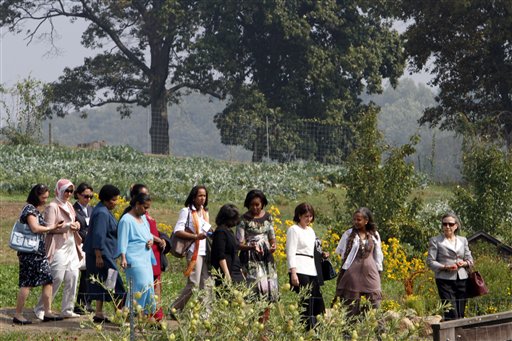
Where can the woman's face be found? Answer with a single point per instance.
(449, 226)
(110, 204)
(141, 209)
(255, 206)
(43, 197)
(359, 221)
(85, 197)
(68, 193)
(200, 198)
(305, 219)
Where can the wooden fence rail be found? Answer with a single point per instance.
(493, 327)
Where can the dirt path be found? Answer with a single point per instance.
(66, 329)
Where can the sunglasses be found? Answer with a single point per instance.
(449, 224)
(86, 196)
(69, 190)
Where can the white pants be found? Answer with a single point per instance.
(69, 279)
(199, 277)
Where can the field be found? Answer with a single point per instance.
(169, 179)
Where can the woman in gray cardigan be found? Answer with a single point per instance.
(449, 257)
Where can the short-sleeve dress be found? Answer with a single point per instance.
(260, 269)
(34, 267)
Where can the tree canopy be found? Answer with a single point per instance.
(142, 46)
(297, 60)
(466, 45)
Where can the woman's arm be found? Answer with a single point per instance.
(377, 252)
(467, 258)
(33, 223)
(291, 257)
(224, 267)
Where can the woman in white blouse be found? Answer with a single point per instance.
(361, 257)
(301, 246)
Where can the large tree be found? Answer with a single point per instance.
(466, 46)
(303, 61)
(141, 50)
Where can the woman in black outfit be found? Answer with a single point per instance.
(224, 255)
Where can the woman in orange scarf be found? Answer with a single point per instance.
(193, 223)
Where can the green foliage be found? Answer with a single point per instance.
(300, 61)
(379, 178)
(485, 202)
(168, 177)
(472, 66)
(25, 108)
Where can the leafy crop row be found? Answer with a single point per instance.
(168, 177)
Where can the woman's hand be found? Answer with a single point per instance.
(273, 247)
(161, 243)
(99, 262)
(59, 225)
(75, 226)
(452, 267)
(325, 255)
(462, 264)
(124, 263)
(295, 279)
(149, 244)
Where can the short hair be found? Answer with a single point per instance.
(454, 216)
(193, 194)
(303, 209)
(81, 188)
(228, 216)
(107, 192)
(255, 193)
(35, 192)
(135, 189)
(140, 198)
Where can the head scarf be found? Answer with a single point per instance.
(60, 189)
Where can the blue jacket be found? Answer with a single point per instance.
(102, 233)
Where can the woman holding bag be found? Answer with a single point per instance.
(449, 257)
(193, 223)
(34, 268)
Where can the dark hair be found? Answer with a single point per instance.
(193, 194)
(140, 198)
(35, 192)
(303, 209)
(228, 216)
(371, 228)
(107, 192)
(135, 189)
(455, 217)
(81, 188)
(255, 193)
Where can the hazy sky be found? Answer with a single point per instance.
(19, 60)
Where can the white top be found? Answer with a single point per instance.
(184, 215)
(299, 243)
(377, 251)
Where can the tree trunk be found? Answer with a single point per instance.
(159, 130)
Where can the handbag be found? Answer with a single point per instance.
(328, 271)
(23, 239)
(476, 285)
(178, 247)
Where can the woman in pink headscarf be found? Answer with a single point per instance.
(63, 248)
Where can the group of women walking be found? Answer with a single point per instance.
(82, 242)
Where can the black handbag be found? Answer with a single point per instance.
(328, 271)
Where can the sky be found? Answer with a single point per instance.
(19, 60)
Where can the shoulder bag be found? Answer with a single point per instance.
(476, 284)
(23, 239)
(179, 246)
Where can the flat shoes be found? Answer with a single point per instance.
(97, 319)
(52, 318)
(20, 322)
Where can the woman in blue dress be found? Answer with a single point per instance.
(134, 244)
(100, 248)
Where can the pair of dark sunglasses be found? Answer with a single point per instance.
(69, 190)
(86, 196)
(449, 224)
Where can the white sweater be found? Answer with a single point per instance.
(300, 246)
